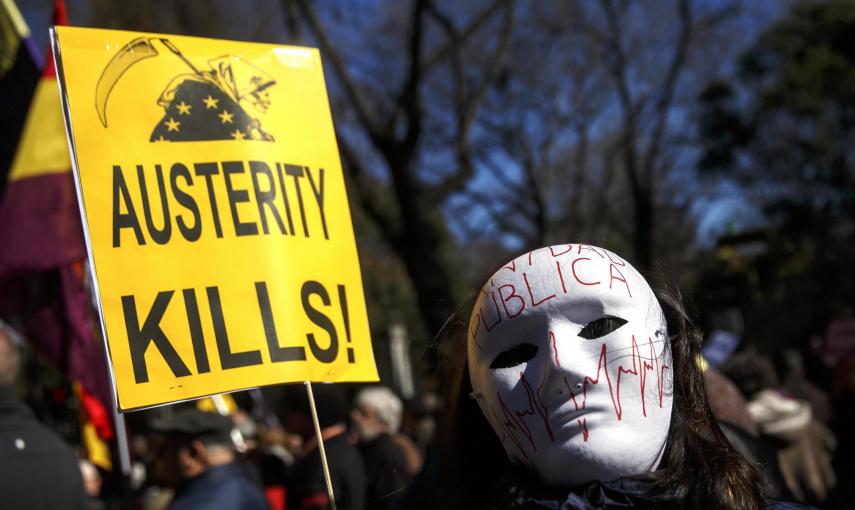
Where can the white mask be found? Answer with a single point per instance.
(570, 364)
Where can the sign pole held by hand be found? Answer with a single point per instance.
(320, 444)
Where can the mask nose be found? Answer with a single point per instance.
(560, 364)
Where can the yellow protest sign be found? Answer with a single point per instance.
(216, 214)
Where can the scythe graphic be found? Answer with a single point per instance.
(135, 51)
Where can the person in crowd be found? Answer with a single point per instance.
(844, 457)
(37, 469)
(376, 417)
(730, 409)
(727, 403)
(426, 429)
(92, 483)
(274, 457)
(196, 457)
(414, 459)
(805, 445)
(307, 489)
(423, 489)
(578, 387)
(793, 377)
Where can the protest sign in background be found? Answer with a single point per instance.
(216, 214)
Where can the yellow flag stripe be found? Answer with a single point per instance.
(43, 148)
(97, 450)
(15, 18)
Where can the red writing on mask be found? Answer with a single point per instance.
(573, 266)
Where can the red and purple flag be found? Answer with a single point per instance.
(42, 250)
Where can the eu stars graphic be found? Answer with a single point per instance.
(209, 104)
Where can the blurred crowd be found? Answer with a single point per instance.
(256, 449)
(259, 449)
(263, 451)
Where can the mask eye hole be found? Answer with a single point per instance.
(601, 327)
(514, 356)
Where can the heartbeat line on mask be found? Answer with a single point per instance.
(638, 362)
(513, 421)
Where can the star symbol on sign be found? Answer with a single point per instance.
(226, 117)
(161, 139)
(237, 135)
(172, 124)
(210, 102)
(183, 108)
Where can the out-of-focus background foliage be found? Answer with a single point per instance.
(708, 141)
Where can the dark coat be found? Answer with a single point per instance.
(619, 494)
(37, 469)
(386, 471)
(307, 490)
(223, 487)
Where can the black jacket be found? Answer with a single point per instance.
(37, 469)
(307, 490)
(386, 472)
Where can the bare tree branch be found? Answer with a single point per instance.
(666, 95)
(367, 198)
(500, 216)
(409, 99)
(500, 174)
(618, 67)
(467, 108)
(340, 69)
(462, 36)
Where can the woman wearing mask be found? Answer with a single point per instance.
(579, 388)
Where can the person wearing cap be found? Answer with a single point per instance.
(37, 469)
(196, 457)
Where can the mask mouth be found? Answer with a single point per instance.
(567, 416)
(570, 423)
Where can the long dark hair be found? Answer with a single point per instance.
(700, 468)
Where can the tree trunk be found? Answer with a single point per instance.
(643, 233)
